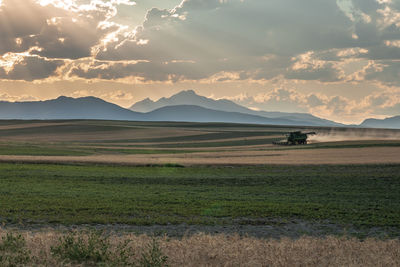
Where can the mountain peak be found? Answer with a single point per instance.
(185, 93)
(146, 100)
(63, 97)
(188, 97)
(85, 99)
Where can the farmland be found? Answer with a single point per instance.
(189, 144)
(364, 196)
(188, 178)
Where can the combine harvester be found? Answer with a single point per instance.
(295, 138)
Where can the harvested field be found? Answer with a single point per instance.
(139, 143)
(368, 155)
(207, 250)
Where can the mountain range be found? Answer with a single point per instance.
(96, 108)
(393, 122)
(66, 108)
(190, 98)
(184, 106)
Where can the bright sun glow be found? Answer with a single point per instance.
(8, 60)
(65, 4)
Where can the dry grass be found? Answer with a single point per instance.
(221, 250)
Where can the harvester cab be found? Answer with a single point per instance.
(295, 138)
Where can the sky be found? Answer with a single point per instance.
(336, 59)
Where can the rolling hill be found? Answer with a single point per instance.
(66, 108)
(393, 123)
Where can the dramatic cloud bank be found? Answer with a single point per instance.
(344, 42)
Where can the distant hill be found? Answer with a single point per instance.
(96, 108)
(391, 123)
(66, 108)
(190, 98)
(199, 114)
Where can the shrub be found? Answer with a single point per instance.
(79, 248)
(13, 251)
(154, 256)
(93, 248)
(124, 255)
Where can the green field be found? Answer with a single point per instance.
(363, 195)
(164, 182)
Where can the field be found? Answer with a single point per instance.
(362, 196)
(189, 144)
(182, 179)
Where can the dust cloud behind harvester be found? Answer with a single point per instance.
(354, 134)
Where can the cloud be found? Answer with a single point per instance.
(41, 33)
(337, 107)
(314, 101)
(386, 72)
(317, 43)
(142, 70)
(204, 39)
(279, 99)
(309, 67)
(16, 98)
(261, 38)
(290, 100)
(117, 95)
(55, 28)
(210, 34)
(30, 68)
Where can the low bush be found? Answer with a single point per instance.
(13, 251)
(153, 256)
(95, 248)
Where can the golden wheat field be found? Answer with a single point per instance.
(222, 250)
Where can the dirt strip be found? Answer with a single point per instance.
(371, 155)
